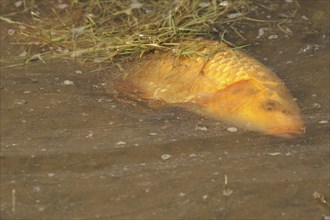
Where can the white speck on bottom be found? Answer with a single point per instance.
(166, 156)
(68, 82)
(232, 129)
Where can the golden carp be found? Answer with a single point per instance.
(218, 81)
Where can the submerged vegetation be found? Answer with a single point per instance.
(98, 31)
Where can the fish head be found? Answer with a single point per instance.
(273, 113)
(269, 109)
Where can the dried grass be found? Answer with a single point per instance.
(99, 31)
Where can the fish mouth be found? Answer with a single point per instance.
(289, 132)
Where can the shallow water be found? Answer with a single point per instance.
(72, 151)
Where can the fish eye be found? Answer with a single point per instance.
(270, 105)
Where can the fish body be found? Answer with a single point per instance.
(218, 81)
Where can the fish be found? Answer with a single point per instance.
(215, 80)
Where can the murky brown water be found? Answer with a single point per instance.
(70, 151)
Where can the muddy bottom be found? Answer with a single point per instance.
(70, 151)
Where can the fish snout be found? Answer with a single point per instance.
(288, 131)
